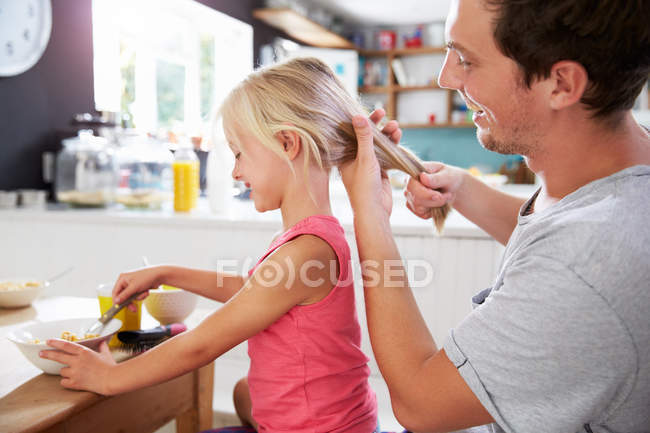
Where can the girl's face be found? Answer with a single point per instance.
(261, 169)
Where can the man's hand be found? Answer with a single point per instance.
(439, 185)
(85, 369)
(391, 129)
(367, 186)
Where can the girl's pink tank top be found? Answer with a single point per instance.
(307, 372)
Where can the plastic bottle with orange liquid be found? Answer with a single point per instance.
(186, 179)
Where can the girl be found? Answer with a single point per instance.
(287, 126)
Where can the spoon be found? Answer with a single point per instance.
(98, 325)
(59, 275)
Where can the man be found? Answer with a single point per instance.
(561, 341)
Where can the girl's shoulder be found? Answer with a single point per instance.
(308, 250)
(314, 265)
(325, 228)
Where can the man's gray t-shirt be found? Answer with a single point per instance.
(561, 342)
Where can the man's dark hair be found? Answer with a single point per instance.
(609, 38)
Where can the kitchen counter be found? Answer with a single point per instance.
(242, 212)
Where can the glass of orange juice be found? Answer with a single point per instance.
(186, 179)
(130, 319)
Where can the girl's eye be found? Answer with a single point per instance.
(238, 155)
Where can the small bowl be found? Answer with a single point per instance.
(20, 297)
(32, 198)
(8, 199)
(170, 305)
(43, 331)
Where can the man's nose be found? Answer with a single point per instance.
(450, 74)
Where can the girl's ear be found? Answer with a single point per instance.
(291, 143)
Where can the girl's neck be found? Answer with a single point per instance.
(306, 198)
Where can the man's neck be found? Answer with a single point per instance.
(579, 151)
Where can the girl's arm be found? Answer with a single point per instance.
(220, 286)
(214, 285)
(256, 306)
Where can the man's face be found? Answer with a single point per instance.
(507, 114)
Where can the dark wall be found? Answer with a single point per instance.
(39, 102)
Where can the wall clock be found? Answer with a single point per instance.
(25, 27)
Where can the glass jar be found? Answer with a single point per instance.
(146, 176)
(86, 171)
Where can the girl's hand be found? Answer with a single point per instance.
(367, 186)
(439, 185)
(138, 281)
(86, 369)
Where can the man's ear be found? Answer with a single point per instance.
(291, 143)
(569, 80)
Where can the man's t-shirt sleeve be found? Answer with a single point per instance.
(544, 352)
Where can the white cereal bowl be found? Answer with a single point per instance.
(170, 306)
(24, 338)
(20, 297)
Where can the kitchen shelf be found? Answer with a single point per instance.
(398, 52)
(436, 125)
(392, 89)
(375, 89)
(396, 88)
(301, 28)
(416, 88)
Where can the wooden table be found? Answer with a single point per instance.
(31, 401)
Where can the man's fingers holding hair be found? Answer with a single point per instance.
(433, 166)
(421, 196)
(419, 212)
(377, 115)
(433, 180)
(392, 131)
(364, 137)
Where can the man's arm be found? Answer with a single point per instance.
(427, 392)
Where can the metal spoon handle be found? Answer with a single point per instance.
(59, 275)
(111, 312)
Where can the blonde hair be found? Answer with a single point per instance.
(303, 95)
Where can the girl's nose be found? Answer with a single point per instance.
(235, 173)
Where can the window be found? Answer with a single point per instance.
(166, 65)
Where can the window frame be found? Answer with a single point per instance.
(117, 20)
